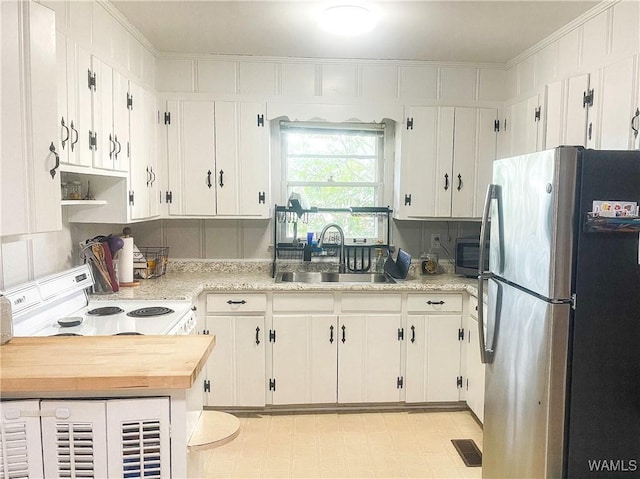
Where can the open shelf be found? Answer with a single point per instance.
(83, 202)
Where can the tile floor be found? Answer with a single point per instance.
(346, 445)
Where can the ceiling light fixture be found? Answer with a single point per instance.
(347, 20)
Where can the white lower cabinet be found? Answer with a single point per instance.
(20, 446)
(86, 438)
(434, 341)
(304, 359)
(369, 358)
(335, 350)
(235, 372)
(475, 369)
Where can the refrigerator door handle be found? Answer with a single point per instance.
(486, 355)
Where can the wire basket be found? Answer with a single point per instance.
(151, 263)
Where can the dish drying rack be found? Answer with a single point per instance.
(358, 252)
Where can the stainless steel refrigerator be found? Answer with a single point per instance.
(561, 337)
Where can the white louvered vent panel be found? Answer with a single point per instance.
(74, 446)
(141, 449)
(14, 460)
(20, 447)
(74, 439)
(139, 439)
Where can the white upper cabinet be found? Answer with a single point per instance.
(567, 112)
(445, 162)
(218, 157)
(110, 118)
(426, 153)
(525, 130)
(30, 179)
(614, 104)
(242, 159)
(144, 193)
(191, 158)
(74, 102)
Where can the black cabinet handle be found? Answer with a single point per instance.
(446, 181)
(148, 177)
(64, 140)
(413, 334)
(236, 302)
(194, 308)
(435, 302)
(221, 179)
(209, 179)
(459, 182)
(590, 130)
(119, 146)
(344, 334)
(73, 142)
(52, 171)
(153, 173)
(331, 334)
(633, 122)
(407, 199)
(258, 335)
(113, 146)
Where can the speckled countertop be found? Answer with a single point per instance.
(185, 280)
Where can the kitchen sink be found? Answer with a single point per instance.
(317, 277)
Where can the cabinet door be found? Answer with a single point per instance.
(143, 171)
(103, 115)
(191, 158)
(138, 437)
(305, 355)
(120, 122)
(242, 159)
(74, 438)
(29, 120)
(474, 147)
(368, 358)
(253, 156)
(226, 157)
(433, 358)
(14, 216)
(426, 154)
(20, 433)
(616, 105)
(236, 368)
(475, 370)
(524, 126)
(79, 104)
(566, 116)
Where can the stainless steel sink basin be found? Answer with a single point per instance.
(316, 277)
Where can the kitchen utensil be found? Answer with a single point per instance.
(109, 264)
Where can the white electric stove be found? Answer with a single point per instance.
(59, 305)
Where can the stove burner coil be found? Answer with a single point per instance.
(105, 311)
(67, 334)
(150, 311)
(128, 333)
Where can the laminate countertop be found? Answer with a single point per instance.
(102, 363)
(183, 285)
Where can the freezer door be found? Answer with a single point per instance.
(532, 220)
(525, 385)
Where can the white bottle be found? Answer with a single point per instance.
(6, 320)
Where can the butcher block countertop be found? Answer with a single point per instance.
(102, 363)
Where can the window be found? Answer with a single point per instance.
(335, 166)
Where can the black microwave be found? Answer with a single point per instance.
(467, 256)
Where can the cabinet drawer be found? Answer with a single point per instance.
(372, 302)
(435, 302)
(303, 302)
(236, 303)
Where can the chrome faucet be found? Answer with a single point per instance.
(341, 267)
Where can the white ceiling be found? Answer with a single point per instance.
(451, 30)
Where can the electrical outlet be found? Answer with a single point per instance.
(435, 241)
